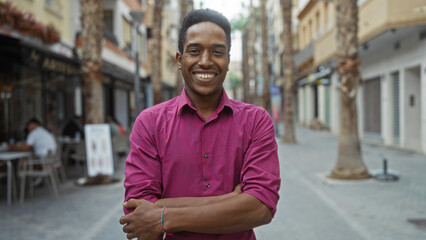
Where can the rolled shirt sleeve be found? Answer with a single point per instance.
(143, 168)
(260, 174)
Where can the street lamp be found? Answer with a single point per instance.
(137, 17)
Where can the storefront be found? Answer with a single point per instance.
(36, 82)
(118, 94)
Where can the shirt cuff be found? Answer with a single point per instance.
(269, 199)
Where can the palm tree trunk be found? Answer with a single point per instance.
(92, 25)
(289, 130)
(349, 163)
(252, 53)
(245, 67)
(183, 11)
(265, 65)
(156, 50)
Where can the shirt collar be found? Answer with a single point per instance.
(224, 102)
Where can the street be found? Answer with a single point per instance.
(311, 206)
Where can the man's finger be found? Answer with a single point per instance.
(131, 235)
(125, 229)
(132, 203)
(123, 220)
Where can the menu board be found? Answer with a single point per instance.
(98, 150)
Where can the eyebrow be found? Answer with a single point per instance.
(197, 45)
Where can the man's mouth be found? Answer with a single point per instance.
(205, 75)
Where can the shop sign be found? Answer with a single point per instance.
(44, 62)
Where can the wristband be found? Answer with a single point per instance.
(162, 223)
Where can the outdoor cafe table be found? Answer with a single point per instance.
(8, 157)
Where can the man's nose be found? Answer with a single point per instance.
(205, 59)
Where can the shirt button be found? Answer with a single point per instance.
(207, 185)
(206, 155)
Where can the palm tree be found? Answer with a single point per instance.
(265, 65)
(183, 11)
(92, 26)
(235, 82)
(240, 24)
(252, 52)
(289, 131)
(156, 50)
(349, 163)
(245, 67)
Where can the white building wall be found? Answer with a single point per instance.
(321, 104)
(301, 104)
(423, 101)
(402, 107)
(412, 111)
(335, 104)
(309, 113)
(383, 62)
(387, 111)
(360, 113)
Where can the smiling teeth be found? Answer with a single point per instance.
(205, 75)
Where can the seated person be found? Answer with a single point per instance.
(39, 140)
(74, 127)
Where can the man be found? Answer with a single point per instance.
(201, 166)
(39, 140)
(74, 128)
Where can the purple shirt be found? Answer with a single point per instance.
(176, 153)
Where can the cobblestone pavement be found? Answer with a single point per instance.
(311, 205)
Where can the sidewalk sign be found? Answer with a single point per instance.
(98, 150)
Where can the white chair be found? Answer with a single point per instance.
(45, 168)
(58, 163)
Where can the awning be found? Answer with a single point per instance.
(316, 78)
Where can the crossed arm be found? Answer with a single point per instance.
(229, 213)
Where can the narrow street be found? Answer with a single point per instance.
(311, 206)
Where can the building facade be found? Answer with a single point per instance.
(391, 100)
(40, 75)
(38, 72)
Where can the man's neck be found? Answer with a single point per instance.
(205, 105)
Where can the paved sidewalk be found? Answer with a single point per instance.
(315, 207)
(312, 207)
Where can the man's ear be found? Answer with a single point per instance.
(178, 58)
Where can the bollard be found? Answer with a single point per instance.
(385, 176)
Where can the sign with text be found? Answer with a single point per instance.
(98, 150)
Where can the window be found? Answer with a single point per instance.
(317, 25)
(54, 6)
(325, 26)
(309, 32)
(127, 32)
(108, 21)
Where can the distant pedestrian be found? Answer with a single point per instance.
(201, 166)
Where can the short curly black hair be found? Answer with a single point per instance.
(204, 15)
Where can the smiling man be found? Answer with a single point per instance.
(201, 166)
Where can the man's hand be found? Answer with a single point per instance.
(144, 222)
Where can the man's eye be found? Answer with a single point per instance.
(218, 52)
(194, 51)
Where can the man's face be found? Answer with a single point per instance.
(204, 61)
(31, 126)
